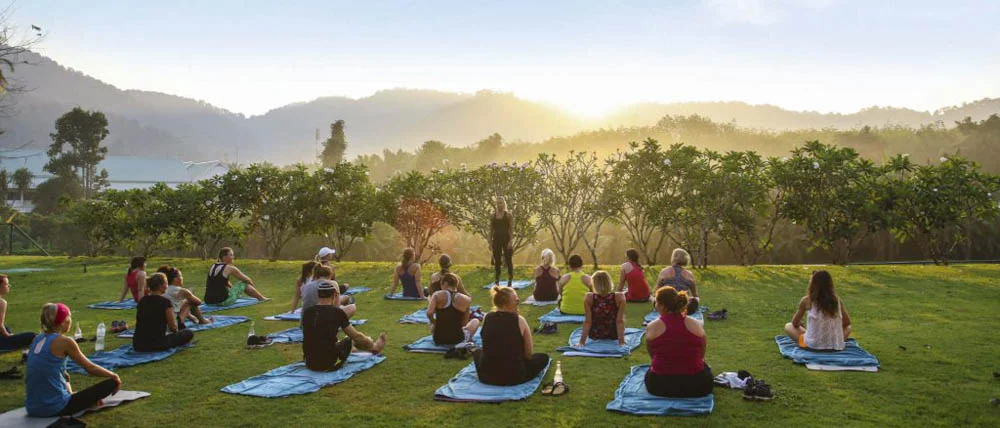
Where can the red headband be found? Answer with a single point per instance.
(62, 312)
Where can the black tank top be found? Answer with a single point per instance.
(501, 228)
(503, 350)
(448, 323)
(216, 286)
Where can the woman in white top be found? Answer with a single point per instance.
(828, 325)
(186, 304)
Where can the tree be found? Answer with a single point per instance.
(140, 219)
(749, 211)
(416, 210)
(203, 219)
(335, 146)
(642, 190)
(692, 190)
(94, 220)
(22, 179)
(12, 46)
(347, 206)
(431, 156)
(942, 203)
(598, 207)
(56, 194)
(82, 131)
(569, 192)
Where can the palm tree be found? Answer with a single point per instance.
(22, 181)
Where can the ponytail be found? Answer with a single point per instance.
(670, 299)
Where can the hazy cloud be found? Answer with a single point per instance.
(761, 12)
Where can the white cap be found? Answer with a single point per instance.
(325, 251)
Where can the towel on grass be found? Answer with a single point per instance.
(294, 334)
(531, 301)
(127, 304)
(426, 344)
(557, 317)
(357, 290)
(517, 285)
(124, 356)
(18, 418)
(466, 387)
(400, 296)
(295, 379)
(296, 316)
(240, 303)
(652, 316)
(219, 321)
(420, 316)
(852, 358)
(633, 398)
(607, 348)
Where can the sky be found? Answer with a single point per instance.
(588, 57)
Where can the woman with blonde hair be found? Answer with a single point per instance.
(679, 278)
(408, 273)
(507, 356)
(605, 311)
(501, 234)
(47, 389)
(676, 344)
(546, 278)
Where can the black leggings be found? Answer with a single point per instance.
(532, 367)
(503, 254)
(89, 397)
(16, 341)
(680, 386)
(181, 338)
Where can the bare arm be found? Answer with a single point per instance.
(235, 271)
(124, 289)
(588, 281)
(620, 321)
(694, 288)
(797, 319)
(626, 268)
(395, 280)
(190, 297)
(3, 318)
(461, 288)
(69, 347)
(653, 330)
(845, 317)
(297, 295)
(431, 308)
(416, 279)
(696, 327)
(140, 279)
(529, 346)
(588, 301)
(171, 319)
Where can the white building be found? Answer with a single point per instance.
(124, 172)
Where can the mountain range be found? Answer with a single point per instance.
(161, 125)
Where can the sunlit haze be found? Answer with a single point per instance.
(587, 57)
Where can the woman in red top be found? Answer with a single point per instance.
(676, 344)
(135, 280)
(635, 277)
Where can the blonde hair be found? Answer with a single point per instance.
(602, 283)
(548, 258)
(502, 297)
(680, 257)
(48, 321)
(322, 271)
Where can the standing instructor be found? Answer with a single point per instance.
(501, 232)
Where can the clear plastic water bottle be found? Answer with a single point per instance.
(558, 378)
(252, 332)
(99, 343)
(79, 333)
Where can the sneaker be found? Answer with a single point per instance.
(717, 315)
(547, 328)
(458, 353)
(257, 342)
(757, 390)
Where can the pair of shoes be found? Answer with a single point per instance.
(555, 389)
(757, 390)
(118, 326)
(717, 315)
(547, 328)
(458, 353)
(478, 314)
(257, 342)
(12, 373)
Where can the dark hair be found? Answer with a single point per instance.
(445, 262)
(633, 256)
(575, 261)
(171, 272)
(822, 294)
(408, 255)
(307, 271)
(224, 252)
(672, 300)
(137, 263)
(3, 277)
(157, 281)
(322, 271)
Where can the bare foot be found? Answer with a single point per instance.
(206, 321)
(379, 344)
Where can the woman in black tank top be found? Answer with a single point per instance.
(450, 325)
(501, 234)
(217, 286)
(506, 357)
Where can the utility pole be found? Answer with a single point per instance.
(317, 143)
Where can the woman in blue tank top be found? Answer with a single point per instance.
(47, 389)
(408, 273)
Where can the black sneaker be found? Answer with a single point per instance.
(757, 390)
(717, 315)
(458, 353)
(257, 342)
(548, 328)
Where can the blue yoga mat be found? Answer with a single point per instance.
(356, 290)
(631, 397)
(426, 344)
(557, 317)
(297, 316)
(240, 303)
(295, 379)
(517, 285)
(294, 334)
(603, 347)
(220, 321)
(124, 356)
(466, 387)
(852, 355)
(420, 316)
(127, 304)
(400, 296)
(652, 316)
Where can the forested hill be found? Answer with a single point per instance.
(155, 124)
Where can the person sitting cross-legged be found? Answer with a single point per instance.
(605, 312)
(829, 324)
(573, 287)
(154, 316)
(676, 344)
(320, 324)
(507, 356)
(186, 304)
(310, 291)
(10, 341)
(449, 311)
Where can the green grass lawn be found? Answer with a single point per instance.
(945, 317)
